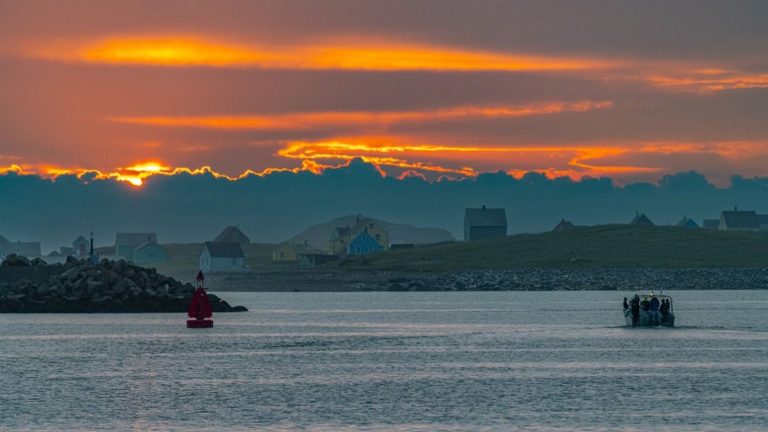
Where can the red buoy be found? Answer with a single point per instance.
(200, 308)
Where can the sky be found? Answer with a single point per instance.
(434, 88)
(182, 116)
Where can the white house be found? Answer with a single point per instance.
(81, 247)
(125, 243)
(149, 253)
(222, 258)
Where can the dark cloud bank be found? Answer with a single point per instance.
(186, 208)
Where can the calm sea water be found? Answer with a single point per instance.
(394, 361)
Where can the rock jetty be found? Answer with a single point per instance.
(80, 286)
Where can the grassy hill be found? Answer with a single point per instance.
(599, 246)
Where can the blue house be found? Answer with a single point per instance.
(363, 244)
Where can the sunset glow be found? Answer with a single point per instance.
(708, 81)
(412, 159)
(579, 161)
(177, 51)
(309, 120)
(111, 91)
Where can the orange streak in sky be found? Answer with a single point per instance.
(583, 158)
(366, 118)
(413, 159)
(709, 80)
(361, 54)
(183, 51)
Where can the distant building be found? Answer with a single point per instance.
(222, 258)
(363, 244)
(125, 243)
(27, 249)
(641, 219)
(81, 247)
(484, 223)
(4, 243)
(342, 237)
(66, 251)
(686, 222)
(232, 234)
(564, 225)
(712, 224)
(289, 252)
(739, 220)
(149, 253)
(309, 259)
(763, 220)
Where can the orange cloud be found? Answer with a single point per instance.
(709, 80)
(365, 118)
(376, 55)
(137, 174)
(185, 51)
(579, 160)
(412, 160)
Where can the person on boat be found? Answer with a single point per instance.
(664, 309)
(635, 306)
(627, 312)
(654, 305)
(645, 316)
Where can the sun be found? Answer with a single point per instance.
(136, 173)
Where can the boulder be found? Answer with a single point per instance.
(120, 286)
(70, 275)
(95, 286)
(38, 262)
(119, 266)
(14, 260)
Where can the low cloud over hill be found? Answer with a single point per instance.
(272, 208)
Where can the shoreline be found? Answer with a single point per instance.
(521, 279)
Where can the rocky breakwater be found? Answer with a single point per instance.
(552, 279)
(79, 286)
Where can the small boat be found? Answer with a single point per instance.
(650, 310)
(200, 308)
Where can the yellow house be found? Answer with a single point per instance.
(340, 237)
(289, 252)
(285, 252)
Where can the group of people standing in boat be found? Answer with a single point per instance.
(650, 310)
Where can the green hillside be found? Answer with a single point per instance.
(184, 259)
(599, 246)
